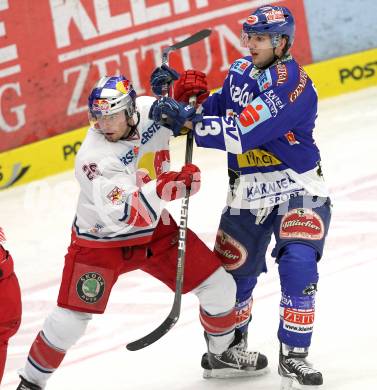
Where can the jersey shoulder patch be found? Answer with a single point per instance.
(239, 66)
(264, 80)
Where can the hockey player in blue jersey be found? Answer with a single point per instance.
(264, 116)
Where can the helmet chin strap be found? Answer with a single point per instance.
(275, 41)
(275, 58)
(133, 127)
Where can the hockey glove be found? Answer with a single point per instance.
(191, 82)
(161, 78)
(173, 185)
(173, 115)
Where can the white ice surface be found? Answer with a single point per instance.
(37, 219)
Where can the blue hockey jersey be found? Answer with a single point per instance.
(264, 119)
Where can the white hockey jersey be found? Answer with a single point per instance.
(116, 207)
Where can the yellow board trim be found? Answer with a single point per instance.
(40, 159)
(57, 154)
(344, 74)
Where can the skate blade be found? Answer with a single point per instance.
(292, 384)
(225, 373)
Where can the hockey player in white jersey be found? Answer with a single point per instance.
(121, 225)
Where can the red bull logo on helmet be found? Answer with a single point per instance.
(101, 105)
(123, 86)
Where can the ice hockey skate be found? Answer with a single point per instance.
(236, 361)
(295, 371)
(26, 385)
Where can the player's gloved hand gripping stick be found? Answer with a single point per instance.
(173, 316)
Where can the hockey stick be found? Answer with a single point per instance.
(175, 311)
(186, 42)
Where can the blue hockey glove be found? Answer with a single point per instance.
(161, 79)
(172, 114)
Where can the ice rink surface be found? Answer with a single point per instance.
(37, 219)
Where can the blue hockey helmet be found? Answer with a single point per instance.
(273, 20)
(111, 95)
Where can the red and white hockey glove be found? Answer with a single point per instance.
(191, 82)
(172, 185)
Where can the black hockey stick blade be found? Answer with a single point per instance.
(202, 34)
(155, 335)
(175, 311)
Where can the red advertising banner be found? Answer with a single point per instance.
(53, 51)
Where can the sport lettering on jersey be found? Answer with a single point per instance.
(261, 189)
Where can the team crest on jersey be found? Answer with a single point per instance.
(264, 80)
(90, 287)
(117, 196)
(232, 253)
(96, 228)
(302, 224)
(240, 66)
(291, 138)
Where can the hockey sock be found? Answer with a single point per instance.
(244, 302)
(298, 278)
(43, 356)
(219, 328)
